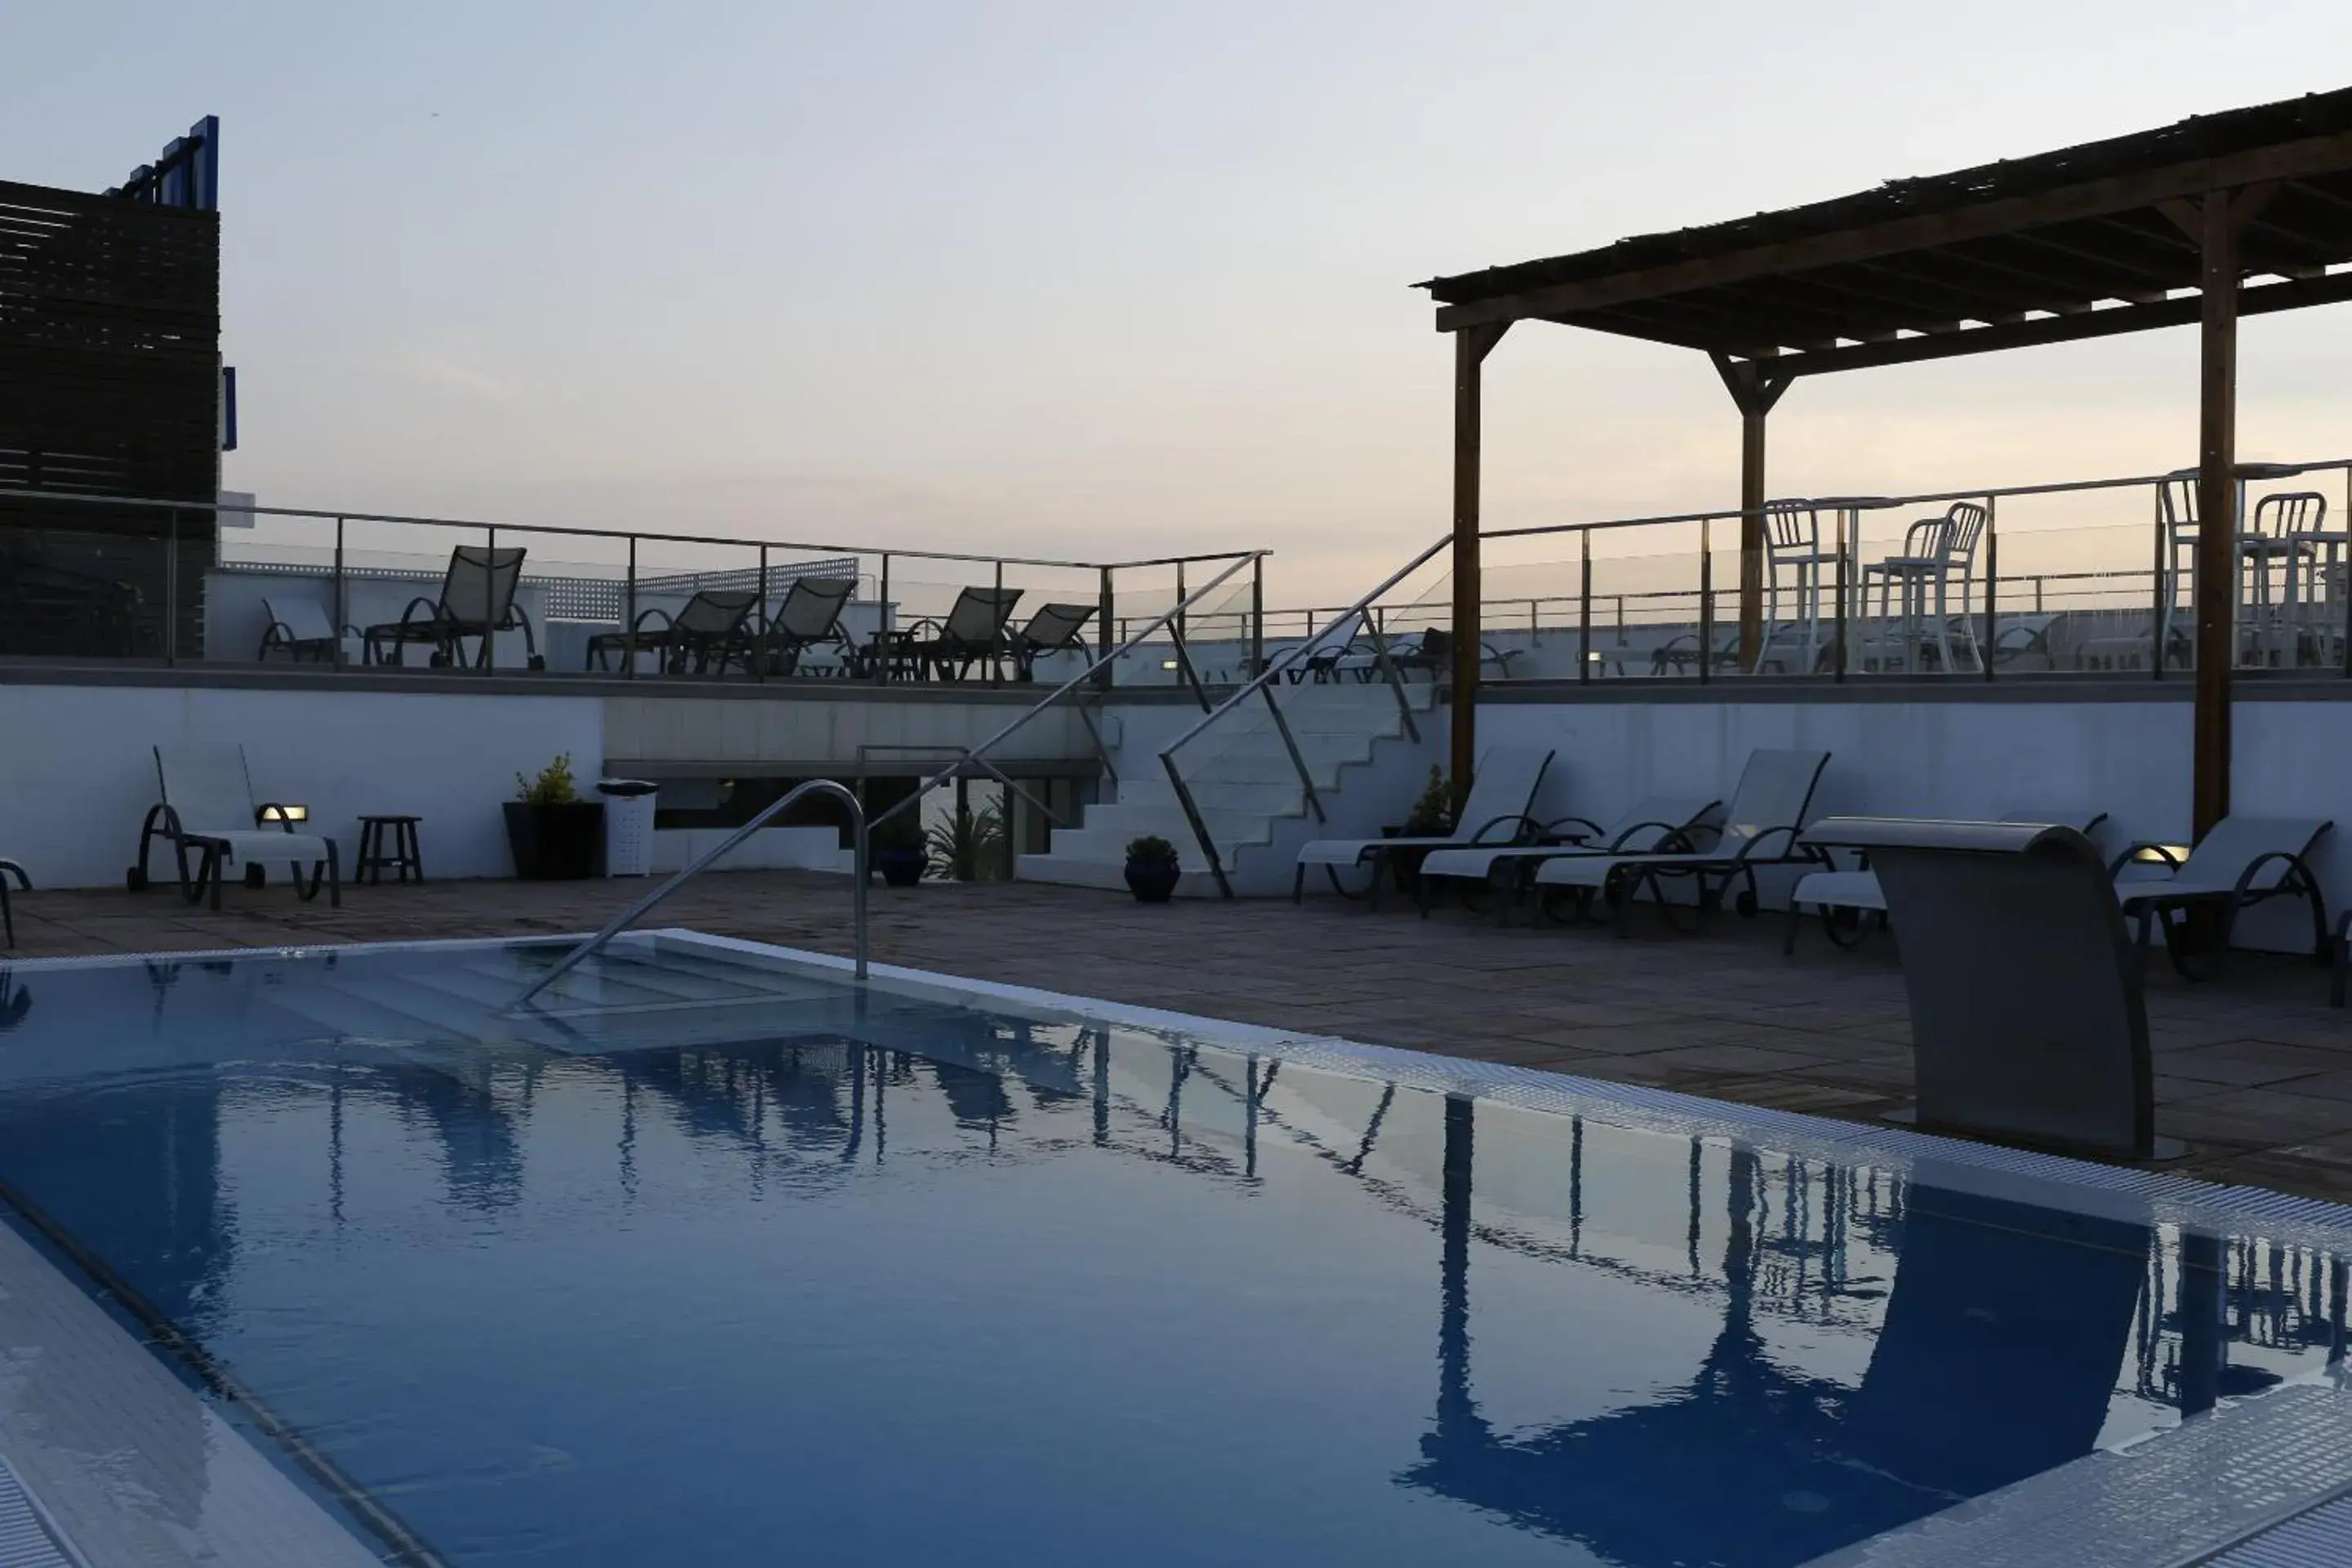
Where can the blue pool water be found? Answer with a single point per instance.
(721, 1266)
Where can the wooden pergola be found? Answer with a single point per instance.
(2205, 221)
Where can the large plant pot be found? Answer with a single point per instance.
(1152, 881)
(900, 867)
(555, 843)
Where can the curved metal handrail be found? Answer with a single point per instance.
(1263, 685)
(1299, 650)
(629, 915)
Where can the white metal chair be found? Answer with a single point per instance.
(2289, 529)
(1792, 542)
(207, 806)
(1921, 578)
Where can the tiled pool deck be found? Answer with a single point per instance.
(2255, 1070)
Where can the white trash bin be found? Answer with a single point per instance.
(628, 826)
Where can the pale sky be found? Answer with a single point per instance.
(1105, 278)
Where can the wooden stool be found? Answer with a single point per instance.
(405, 855)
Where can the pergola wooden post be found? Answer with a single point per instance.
(1471, 347)
(1754, 393)
(2216, 222)
(2085, 242)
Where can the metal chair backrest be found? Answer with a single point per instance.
(481, 587)
(1792, 525)
(304, 619)
(2295, 511)
(206, 786)
(1775, 789)
(1504, 790)
(2236, 842)
(1057, 627)
(1964, 525)
(2177, 499)
(812, 609)
(714, 612)
(1924, 540)
(979, 615)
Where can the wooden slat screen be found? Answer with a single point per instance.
(110, 374)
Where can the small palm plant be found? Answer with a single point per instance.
(969, 845)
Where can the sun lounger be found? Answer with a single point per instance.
(8, 916)
(1857, 892)
(972, 633)
(809, 617)
(1660, 823)
(707, 632)
(1762, 829)
(300, 629)
(2242, 862)
(1496, 813)
(477, 600)
(207, 807)
(1054, 629)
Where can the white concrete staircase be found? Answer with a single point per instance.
(1352, 739)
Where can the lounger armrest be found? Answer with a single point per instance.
(10, 868)
(270, 811)
(2294, 864)
(1748, 851)
(1589, 830)
(1521, 825)
(2163, 852)
(647, 614)
(431, 609)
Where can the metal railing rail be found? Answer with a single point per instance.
(81, 498)
(1083, 677)
(1923, 498)
(1261, 686)
(1990, 607)
(638, 909)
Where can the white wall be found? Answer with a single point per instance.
(1967, 760)
(78, 769)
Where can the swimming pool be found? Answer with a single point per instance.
(722, 1260)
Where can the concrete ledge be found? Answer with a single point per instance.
(2251, 686)
(543, 683)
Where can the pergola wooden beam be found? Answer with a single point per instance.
(2115, 319)
(2096, 198)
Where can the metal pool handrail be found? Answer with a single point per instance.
(629, 915)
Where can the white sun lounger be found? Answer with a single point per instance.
(1661, 821)
(2243, 861)
(1501, 795)
(1762, 829)
(207, 806)
(1859, 890)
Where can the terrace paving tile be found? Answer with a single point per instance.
(2253, 1068)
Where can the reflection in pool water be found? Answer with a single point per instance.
(955, 1284)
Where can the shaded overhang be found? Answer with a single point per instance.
(2083, 242)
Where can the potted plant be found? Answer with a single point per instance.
(969, 845)
(1432, 817)
(1151, 869)
(896, 848)
(552, 833)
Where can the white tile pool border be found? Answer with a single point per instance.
(2321, 1533)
